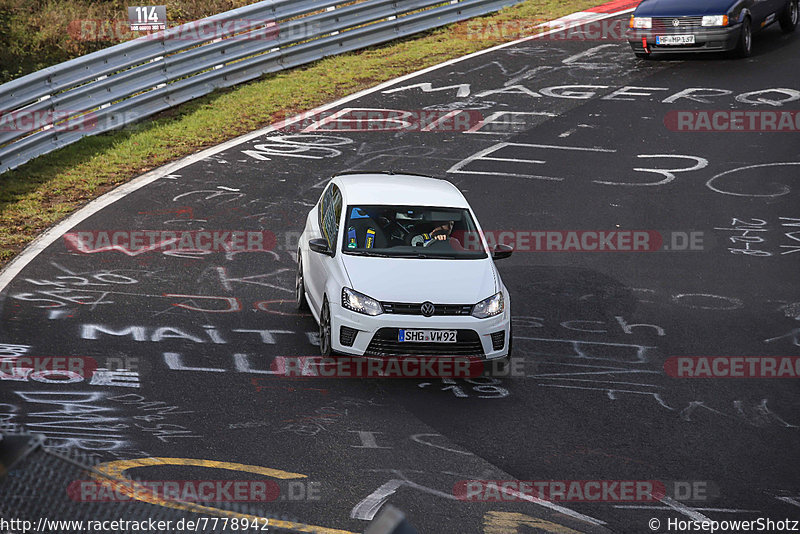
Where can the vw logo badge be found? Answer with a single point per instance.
(676, 22)
(427, 309)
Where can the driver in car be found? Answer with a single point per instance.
(440, 233)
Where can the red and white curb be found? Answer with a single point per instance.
(593, 14)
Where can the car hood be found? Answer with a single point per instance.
(420, 280)
(682, 8)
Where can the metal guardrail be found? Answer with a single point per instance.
(127, 82)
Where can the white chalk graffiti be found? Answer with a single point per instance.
(702, 95)
(83, 289)
(530, 168)
(157, 334)
(75, 419)
(305, 146)
(751, 236)
(758, 179)
(488, 387)
(10, 350)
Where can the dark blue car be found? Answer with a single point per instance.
(687, 26)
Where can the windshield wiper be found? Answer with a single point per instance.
(366, 253)
(419, 255)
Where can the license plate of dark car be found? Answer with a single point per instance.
(674, 39)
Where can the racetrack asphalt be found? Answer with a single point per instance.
(590, 149)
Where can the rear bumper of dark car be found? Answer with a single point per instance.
(706, 40)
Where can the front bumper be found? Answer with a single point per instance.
(706, 40)
(374, 336)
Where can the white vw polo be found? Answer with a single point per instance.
(396, 265)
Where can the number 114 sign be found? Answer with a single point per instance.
(147, 18)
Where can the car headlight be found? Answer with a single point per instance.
(489, 307)
(358, 302)
(641, 23)
(715, 20)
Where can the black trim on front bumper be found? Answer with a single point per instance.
(385, 343)
(407, 308)
(498, 340)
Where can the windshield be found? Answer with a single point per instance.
(411, 232)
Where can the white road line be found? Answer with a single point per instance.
(691, 513)
(368, 507)
(789, 500)
(418, 439)
(720, 510)
(586, 53)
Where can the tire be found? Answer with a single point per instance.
(325, 331)
(745, 46)
(510, 343)
(788, 20)
(300, 286)
(642, 55)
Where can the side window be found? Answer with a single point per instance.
(325, 194)
(330, 213)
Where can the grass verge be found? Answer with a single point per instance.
(45, 190)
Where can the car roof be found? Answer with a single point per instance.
(399, 190)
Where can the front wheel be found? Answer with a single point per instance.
(300, 286)
(745, 46)
(325, 348)
(788, 20)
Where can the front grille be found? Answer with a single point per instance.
(407, 308)
(684, 23)
(385, 343)
(498, 340)
(347, 336)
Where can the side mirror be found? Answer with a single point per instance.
(502, 251)
(320, 246)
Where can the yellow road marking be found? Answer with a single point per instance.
(117, 468)
(508, 523)
(131, 488)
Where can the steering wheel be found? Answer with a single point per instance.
(398, 231)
